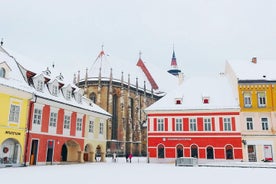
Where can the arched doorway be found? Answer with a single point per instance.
(161, 151)
(87, 155)
(10, 152)
(70, 151)
(179, 151)
(64, 153)
(210, 152)
(194, 151)
(229, 152)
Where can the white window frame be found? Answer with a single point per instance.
(14, 113)
(207, 124)
(67, 121)
(192, 124)
(37, 117)
(55, 90)
(53, 119)
(249, 123)
(160, 124)
(91, 126)
(247, 99)
(79, 124)
(40, 84)
(227, 124)
(68, 94)
(265, 123)
(178, 124)
(261, 99)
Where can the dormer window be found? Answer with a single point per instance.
(40, 85)
(2, 72)
(68, 94)
(178, 101)
(60, 77)
(205, 100)
(55, 90)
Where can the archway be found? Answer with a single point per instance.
(210, 152)
(194, 151)
(161, 151)
(10, 152)
(70, 151)
(229, 152)
(179, 151)
(88, 151)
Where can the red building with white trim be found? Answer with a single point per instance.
(199, 118)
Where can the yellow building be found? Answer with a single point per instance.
(14, 105)
(255, 87)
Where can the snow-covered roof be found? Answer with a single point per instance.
(163, 79)
(192, 92)
(14, 77)
(26, 65)
(260, 70)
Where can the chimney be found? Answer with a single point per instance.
(254, 60)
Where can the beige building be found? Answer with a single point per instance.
(255, 86)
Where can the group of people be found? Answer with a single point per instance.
(128, 157)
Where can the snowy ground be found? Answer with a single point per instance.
(136, 172)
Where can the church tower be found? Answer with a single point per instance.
(174, 68)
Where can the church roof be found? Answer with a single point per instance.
(154, 77)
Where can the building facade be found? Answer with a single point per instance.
(200, 118)
(14, 104)
(254, 82)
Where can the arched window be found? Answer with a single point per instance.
(161, 151)
(229, 152)
(210, 152)
(92, 97)
(2, 72)
(194, 151)
(179, 151)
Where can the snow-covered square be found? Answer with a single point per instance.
(139, 171)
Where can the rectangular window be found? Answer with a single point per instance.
(14, 113)
(178, 124)
(55, 90)
(261, 99)
(227, 124)
(207, 124)
(79, 124)
(193, 126)
(247, 99)
(68, 94)
(264, 123)
(91, 126)
(40, 85)
(101, 128)
(66, 122)
(37, 116)
(53, 119)
(249, 123)
(160, 126)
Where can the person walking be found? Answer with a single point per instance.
(130, 157)
(127, 157)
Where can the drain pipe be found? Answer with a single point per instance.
(32, 102)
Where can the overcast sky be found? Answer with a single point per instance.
(205, 33)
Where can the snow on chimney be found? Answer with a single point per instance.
(254, 60)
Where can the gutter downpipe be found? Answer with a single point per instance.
(32, 102)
